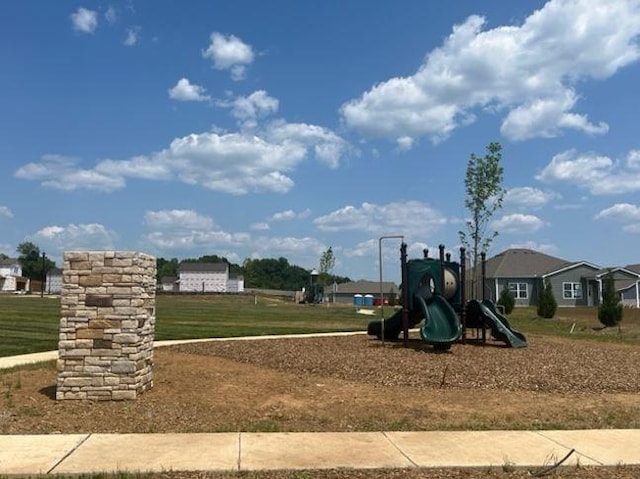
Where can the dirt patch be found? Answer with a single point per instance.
(349, 384)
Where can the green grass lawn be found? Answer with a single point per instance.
(30, 323)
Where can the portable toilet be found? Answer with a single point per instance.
(357, 300)
(368, 300)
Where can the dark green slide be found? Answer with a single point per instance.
(441, 323)
(500, 327)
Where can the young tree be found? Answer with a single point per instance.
(327, 262)
(610, 310)
(507, 301)
(484, 195)
(547, 303)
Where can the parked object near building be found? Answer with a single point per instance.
(346, 293)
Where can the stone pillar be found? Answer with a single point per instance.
(105, 349)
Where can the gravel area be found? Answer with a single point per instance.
(546, 365)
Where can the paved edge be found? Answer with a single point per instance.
(240, 451)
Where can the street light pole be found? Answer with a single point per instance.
(44, 274)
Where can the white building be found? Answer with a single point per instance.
(54, 281)
(11, 276)
(235, 284)
(203, 277)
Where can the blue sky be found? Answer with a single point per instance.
(266, 129)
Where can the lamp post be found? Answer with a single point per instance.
(313, 287)
(44, 274)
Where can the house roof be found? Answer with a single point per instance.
(523, 263)
(203, 267)
(168, 279)
(366, 287)
(9, 262)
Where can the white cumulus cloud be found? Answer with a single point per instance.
(518, 223)
(184, 90)
(178, 220)
(228, 52)
(92, 236)
(626, 213)
(84, 20)
(598, 173)
(528, 197)
(133, 34)
(6, 212)
(529, 72)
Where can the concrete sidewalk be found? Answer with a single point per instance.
(91, 453)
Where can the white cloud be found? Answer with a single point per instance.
(186, 91)
(529, 71)
(307, 250)
(111, 15)
(178, 220)
(328, 147)
(283, 215)
(411, 218)
(528, 197)
(250, 108)
(252, 160)
(623, 213)
(229, 53)
(262, 226)
(6, 212)
(84, 20)
(56, 239)
(60, 172)
(599, 174)
(132, 37)
(518, 223)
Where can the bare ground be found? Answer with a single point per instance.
(353, 384)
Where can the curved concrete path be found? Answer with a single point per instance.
(91, 453)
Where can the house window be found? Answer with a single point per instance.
(572, 290)
(518, 290)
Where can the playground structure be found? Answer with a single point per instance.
(433, 292)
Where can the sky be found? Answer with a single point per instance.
(252, 129)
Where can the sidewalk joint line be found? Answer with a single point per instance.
(74, 449)
(540, 433)
(398, 449)
(239, 449)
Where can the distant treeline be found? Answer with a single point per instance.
(268, 273)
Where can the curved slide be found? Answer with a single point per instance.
(500, 327)
(392, 326)
(441, 323)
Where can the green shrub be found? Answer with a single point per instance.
(506, 300)
(610, 310)
(547, 303)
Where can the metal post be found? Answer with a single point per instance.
(442, 285)
(463, 293)
(405, 294)
(483, 257)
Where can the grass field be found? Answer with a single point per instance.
(30, 323)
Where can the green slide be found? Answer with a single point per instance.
(500, 327)
(441, 323)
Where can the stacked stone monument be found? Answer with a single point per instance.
(105, 350)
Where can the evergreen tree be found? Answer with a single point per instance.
(507, 301)
(547, 303)
(610, 310)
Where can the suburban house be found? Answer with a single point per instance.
(54, 281)
(207, 278)
(169, 284)
(345, 292)
(524, 272)
(11, 279)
